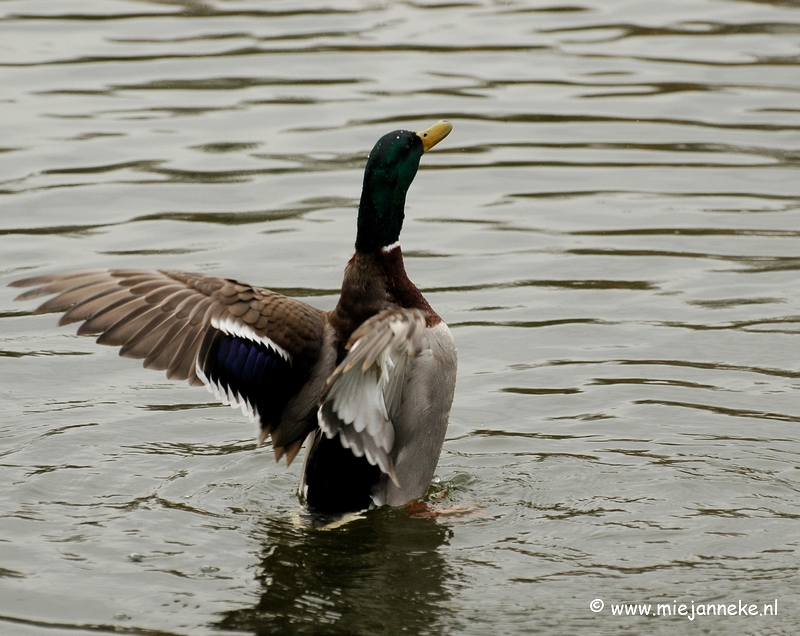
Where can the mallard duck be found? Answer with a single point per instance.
(368, 385)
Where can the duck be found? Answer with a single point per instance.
(368, 386)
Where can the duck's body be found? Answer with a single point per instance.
(370, 384)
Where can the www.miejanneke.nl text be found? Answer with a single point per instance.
(687, 610)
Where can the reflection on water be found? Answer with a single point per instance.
(610, 231)
(377, 574)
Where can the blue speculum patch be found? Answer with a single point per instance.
(254, 371)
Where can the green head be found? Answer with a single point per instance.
(391, 168)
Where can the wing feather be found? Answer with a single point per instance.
(55, 283)
(364, 391)
(172, 320)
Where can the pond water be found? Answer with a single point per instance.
(612, 231)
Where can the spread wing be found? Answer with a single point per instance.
(364, 393)
(252, 347)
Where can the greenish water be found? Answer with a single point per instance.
(611, 230)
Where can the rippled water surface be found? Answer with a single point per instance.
(612, 230)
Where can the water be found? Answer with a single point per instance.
(611, 231)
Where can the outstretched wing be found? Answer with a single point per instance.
(364, 393)
(252, 347)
